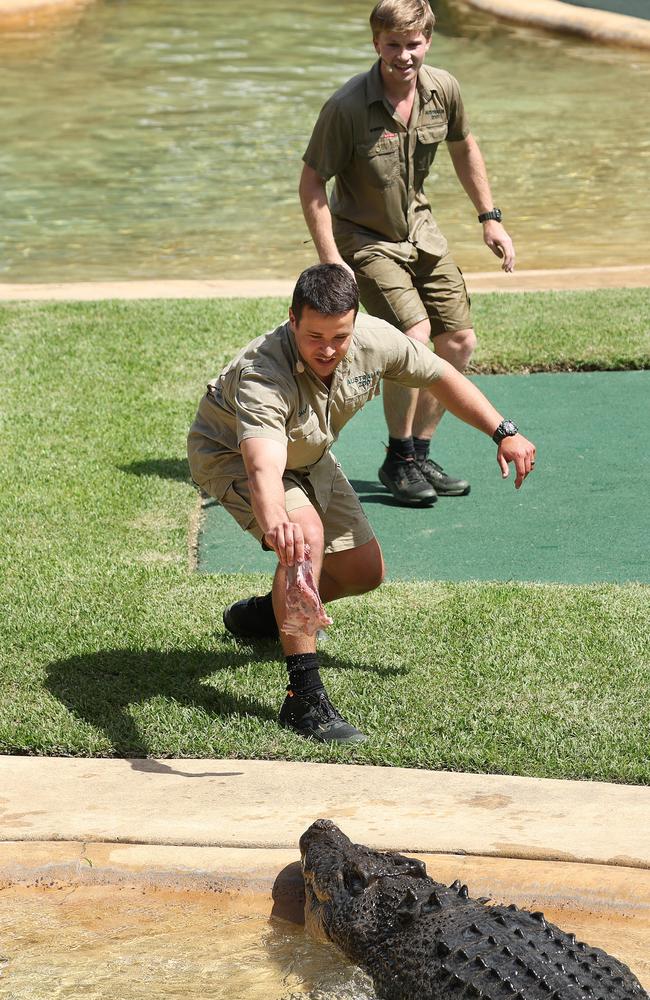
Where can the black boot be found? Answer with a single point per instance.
(444, 485)
(314, 716)
(404, 479)
(252, 618)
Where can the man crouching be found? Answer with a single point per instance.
(261, 445)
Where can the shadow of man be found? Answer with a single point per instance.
(100, 688)
(163, 468)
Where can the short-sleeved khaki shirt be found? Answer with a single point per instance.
(267, 391)
(380, 162)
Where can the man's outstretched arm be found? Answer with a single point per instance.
(462, 398)
(265, 462)
(471, 172)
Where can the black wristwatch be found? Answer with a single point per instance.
(494, 214)
(506, 429)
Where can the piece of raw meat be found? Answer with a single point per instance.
(305, 612)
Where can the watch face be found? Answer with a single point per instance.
(508, 428)
(497, 214)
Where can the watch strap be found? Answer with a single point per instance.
(494, 213)
(505, 429)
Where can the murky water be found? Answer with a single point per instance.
(152, 139)
(125, 943)
(135, 943)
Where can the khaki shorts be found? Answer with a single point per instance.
(345, 525)
(404, 285)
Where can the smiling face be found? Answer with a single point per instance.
(401, 54)
(322, 341)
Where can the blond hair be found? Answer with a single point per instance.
(402, 16)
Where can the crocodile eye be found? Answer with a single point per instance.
(417, 868)
(356, 881)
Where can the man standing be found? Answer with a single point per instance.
(378, 136)
(261, 444)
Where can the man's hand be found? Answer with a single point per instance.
(343, 264)
(288, 542)
(337, 259)
(519, 450)
(499, 242)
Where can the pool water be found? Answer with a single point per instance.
(152, 139)
(136, 942)
(130, 943)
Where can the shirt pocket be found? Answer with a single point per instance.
(379, 160)
(428, 138)
(356, 398)
(305, 443)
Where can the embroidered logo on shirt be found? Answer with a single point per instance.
(304, 410)
(389, 135)
(365, 380)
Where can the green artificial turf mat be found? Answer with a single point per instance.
(580, 518)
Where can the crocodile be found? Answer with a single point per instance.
(421, 940)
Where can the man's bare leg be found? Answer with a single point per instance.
(457, 349)
(400, 473)
(307, 709)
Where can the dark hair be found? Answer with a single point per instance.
(328, 289)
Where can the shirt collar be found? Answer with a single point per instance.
(375, 88)
(425, 87)
(299, 365)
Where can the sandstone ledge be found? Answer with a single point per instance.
(598, 25)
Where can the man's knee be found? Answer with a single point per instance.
(457, 347)
(355, 571)
(370, 571)
(420, 331)
(312, 529)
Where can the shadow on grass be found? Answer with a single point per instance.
(267, 646)
(100, 688)
(164, 468)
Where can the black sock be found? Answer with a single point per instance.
(304, 677)
(421, 446)
(400, 448)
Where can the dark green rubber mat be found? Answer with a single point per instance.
(581, 517)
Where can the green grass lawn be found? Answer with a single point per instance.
(112, 644)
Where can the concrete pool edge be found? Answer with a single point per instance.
(534, 280)
(596, 25)
(266, 805)
(270, 881)
(17, 15)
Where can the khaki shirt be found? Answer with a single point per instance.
(380, 162)
(268, 392)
